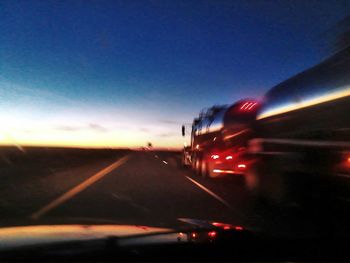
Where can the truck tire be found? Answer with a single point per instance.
(193, 164)
(184, 162)
(197, 168)
(204, 169)
(210, 173)
(266, 182)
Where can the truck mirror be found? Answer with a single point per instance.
(183, 130)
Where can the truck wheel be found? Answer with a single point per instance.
(197, 168)
(266, 182)
(184, 162)
(210, 173)
(193, 164)
(204, 169)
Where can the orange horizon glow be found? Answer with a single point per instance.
(81, 146)
(85, 139)
(31, 133)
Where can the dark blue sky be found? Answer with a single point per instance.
(124, 72)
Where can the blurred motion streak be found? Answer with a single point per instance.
(337, 94)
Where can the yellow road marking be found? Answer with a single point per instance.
(77, 189)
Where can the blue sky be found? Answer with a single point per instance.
(121, 73)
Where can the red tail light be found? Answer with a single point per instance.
(212, 234)
(229, 157)
(222, 225)
(347, 161)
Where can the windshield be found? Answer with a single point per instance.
(94, 95)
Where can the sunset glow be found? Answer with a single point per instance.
(126, 73)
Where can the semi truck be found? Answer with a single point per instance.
(219, 137)
(301, 143)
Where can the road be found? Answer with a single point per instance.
(144, 188)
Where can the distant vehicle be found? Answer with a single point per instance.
(301, 148)
(219, 139)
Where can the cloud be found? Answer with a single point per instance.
(144, 130)
(170, 122)
(90, 126)
(97, 127)
(68, 128)
(167, 134)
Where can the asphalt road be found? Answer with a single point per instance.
(144, 188)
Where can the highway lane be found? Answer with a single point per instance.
(146, 188)
(143, 190)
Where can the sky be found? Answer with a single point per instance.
(124, 73)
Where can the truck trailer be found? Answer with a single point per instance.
(301, 144)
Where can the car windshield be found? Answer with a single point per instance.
(104, 114)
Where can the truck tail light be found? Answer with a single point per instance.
(347, 161)
(212, 234)
(241, 166)
(215, 156)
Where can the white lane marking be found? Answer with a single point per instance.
(165, 162)
(77, 189)
(210, 193)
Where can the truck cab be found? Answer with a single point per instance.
(219, 139)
